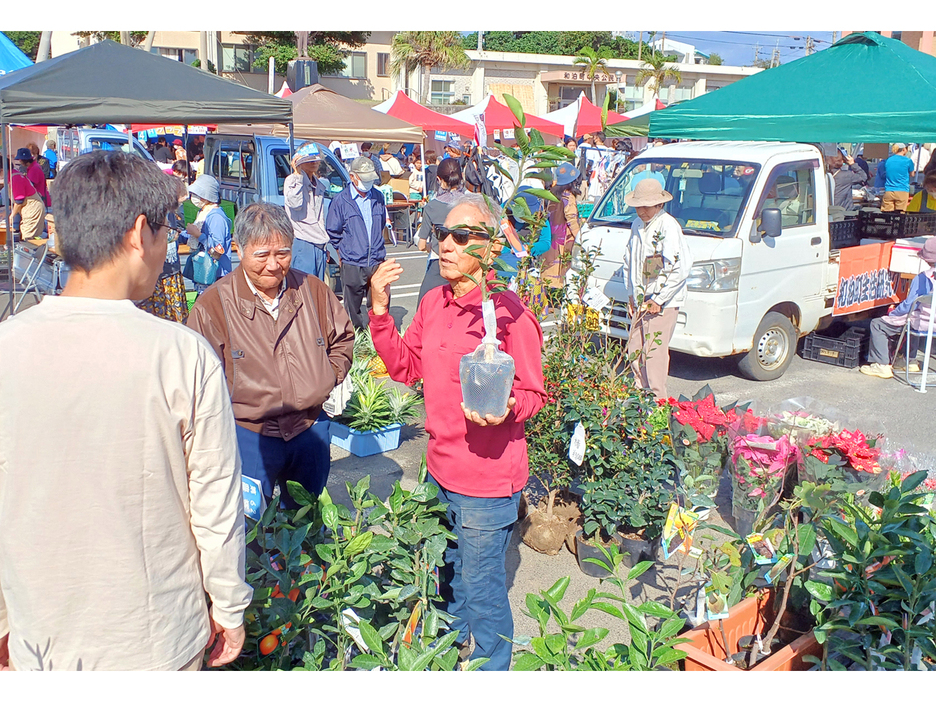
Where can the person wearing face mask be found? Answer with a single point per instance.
(925, 200)
(212, 228)
(355, 223)
(28, 202)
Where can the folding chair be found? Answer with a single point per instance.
(29, 279)
(921, 312)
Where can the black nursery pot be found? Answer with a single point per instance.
(635, 550)
(585, 550)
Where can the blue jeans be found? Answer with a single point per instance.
(308, 258)
(306, 459)
(474, 580)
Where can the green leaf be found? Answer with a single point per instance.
(517, 110)
(359, 543)
(655, 609)
(330, 516)
(913, 481)
(474, 664)
(365, 661)
(371, 637)
(299, 493)
(670, 655)
(923, 562)
(820, 591)
(542, 194)
(639, 569)
(607, 609)
(557, 591)
(886, 622)
(590, 637)
(528, 661)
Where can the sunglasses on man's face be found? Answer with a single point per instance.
(460, 236)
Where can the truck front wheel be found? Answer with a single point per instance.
(774, 346)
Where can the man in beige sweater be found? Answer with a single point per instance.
(120, 484)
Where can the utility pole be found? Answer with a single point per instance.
(775, 57)
(663, 44)
(810, 47)
(480, 42)
(756, 53)
(833, 36)
(639, 45)
(203, 50)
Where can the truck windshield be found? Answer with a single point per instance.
(708, 196)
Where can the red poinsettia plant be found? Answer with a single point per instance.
(842, 459)
(700, 430)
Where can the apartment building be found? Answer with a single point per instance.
(540, 82)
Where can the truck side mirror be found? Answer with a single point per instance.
(771, 222)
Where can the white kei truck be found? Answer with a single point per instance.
(765, 255)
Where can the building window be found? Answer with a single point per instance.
(442, 92)
(238, 59)
(633, 96)
(679, 93)
(383, 64)
(355, 66)
(186, 56)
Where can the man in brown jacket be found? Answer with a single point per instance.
(285, 342)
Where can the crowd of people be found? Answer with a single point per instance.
(236, 386)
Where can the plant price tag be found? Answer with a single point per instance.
(577, 445)
(254, 504)
(596, 299)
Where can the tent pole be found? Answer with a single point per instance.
(7, 177)
(292, 149)
(188, 166)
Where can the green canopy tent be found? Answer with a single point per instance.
(636, 127)
(864, 88)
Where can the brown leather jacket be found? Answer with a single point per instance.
(279, 373)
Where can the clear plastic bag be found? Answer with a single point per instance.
(487, 373)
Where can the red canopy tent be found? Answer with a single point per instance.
(403, 107)
(499, 116)
(583, 116)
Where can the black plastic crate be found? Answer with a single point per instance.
(844, 351)
(895, 225)
(845, 233)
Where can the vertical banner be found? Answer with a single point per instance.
(480, 132)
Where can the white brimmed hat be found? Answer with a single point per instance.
(648, 193)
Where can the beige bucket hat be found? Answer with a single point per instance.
(648, 193)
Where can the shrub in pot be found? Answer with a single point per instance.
(373, 416)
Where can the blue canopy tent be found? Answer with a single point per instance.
(11, 57)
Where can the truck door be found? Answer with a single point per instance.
(790, 267)
(232, 162)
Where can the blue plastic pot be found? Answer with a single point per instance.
(365, 443)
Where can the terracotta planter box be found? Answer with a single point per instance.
(705, 650)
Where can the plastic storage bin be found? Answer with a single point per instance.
(895, 225)
(844, 233)
(844, 351)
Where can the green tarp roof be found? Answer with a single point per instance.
(107, 82)
(864, 88)
(638, 126)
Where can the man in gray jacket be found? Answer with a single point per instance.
(844, 179)
(306, 205)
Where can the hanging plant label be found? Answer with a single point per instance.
(596, 299)
(577, 445)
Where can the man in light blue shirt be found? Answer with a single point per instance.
(899, 168)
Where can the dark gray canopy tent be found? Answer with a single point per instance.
(107, 82)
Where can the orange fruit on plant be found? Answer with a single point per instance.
(276, 591)
(294, 594)
(268, 644)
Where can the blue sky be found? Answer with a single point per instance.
(737, 48)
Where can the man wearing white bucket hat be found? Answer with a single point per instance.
(306, 196)
(656, 267)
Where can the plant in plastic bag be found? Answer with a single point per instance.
(487, 373)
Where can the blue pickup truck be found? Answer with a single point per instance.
(252, 168)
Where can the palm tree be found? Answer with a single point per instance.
(657, 73)
(592, 62)
(412, 50)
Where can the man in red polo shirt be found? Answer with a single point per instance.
(479, 464)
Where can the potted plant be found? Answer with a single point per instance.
(759, 464)
(372, 419)
(877, 613)
(631, 471)
(700, 441)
